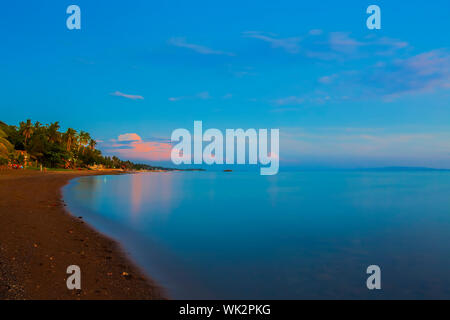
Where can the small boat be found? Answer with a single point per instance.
(227, 170)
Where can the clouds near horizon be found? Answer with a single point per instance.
(132, 146)
(365, 146)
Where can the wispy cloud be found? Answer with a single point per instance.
(388, 46)
(85, 61)
(327, 79)
(343, 46)
(425, 72)
(292, 100)
(128, 96)
(240, 71)
(386, 81)
(182, 43)
(394, 78)
(317, 44)
(202, 96)
(315, 32)
(285, 109)
(290, 45)
(342, 42)
(294, 103)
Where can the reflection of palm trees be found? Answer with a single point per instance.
(89, 188)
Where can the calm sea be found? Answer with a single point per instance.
(294, 235)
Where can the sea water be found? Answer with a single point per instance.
(295, 235)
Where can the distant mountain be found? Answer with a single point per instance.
(413, 169)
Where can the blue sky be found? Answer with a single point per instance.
(342, 95)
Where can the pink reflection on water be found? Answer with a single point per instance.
(151, 190)
(136, 194)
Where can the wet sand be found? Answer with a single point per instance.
(39, 239)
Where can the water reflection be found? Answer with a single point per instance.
(295, 235)
(136, 194)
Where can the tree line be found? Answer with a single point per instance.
(46, 145)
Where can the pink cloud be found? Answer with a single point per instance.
(140, 150)
(129, 137)
(132, 146)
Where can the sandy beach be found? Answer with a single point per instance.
(39, 239)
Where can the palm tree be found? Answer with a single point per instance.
(5, 148)
(84, 138)
(26, 129)
(92, 144)
(70, 136)
(53, 133)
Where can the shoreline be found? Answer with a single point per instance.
(40, 238)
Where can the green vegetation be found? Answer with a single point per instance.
(35, 144)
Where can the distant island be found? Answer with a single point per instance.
(409, 169)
